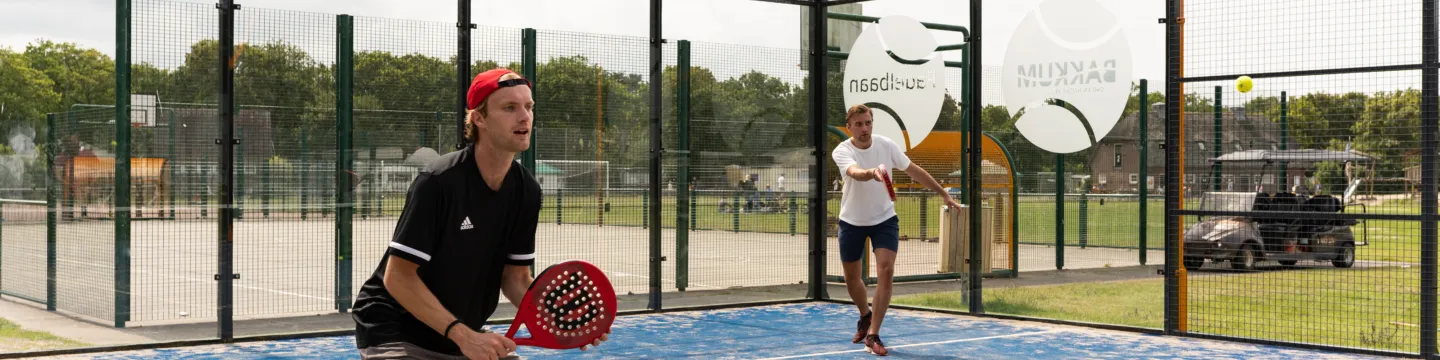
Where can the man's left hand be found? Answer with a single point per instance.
(603, 338)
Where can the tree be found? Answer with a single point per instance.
(79, 76)
(26, 93)
(1387, 129)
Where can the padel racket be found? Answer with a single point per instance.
(889, 186)
(569, 305)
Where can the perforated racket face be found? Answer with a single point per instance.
(570, 305)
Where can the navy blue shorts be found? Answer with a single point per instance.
(885, 235)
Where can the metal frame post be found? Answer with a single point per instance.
(344, 160)
(226, 142)
(170, 176)
(818, 76)
(1144, 145)
(122, 162)
(976, 87)
(657, 152)
(1284, 140)
(52, 198)
(682, 162)
(304, 173)
(1174, 167)
(462, 69)
(1217, 142)
(528, 43)
(1430, 110)
(1060, 187)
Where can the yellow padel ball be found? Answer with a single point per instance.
(1244, 84)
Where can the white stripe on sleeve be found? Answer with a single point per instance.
(410, 250)
(529, 256)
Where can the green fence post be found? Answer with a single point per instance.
(265, 192)
(645, 210)
(528, 69)
(304, 168)
(559, 205)
(52, 199)
(793, 209)
(240, 172)
(1218, 144)
(1059, 211)
(1144, 166)
(924, 216)
(965, 128)
(1084, 227)
(204, 195)
(682, 162)
(344, 162)
(170, 176)
(735, 213)
(372, 196)
(122, 163)
(694, 196)
(1284, 139)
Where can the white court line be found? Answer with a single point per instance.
(923, 344)
(281, 292)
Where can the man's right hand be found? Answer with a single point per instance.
(878, 173)
(478, 345)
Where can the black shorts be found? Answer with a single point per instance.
(885, 235)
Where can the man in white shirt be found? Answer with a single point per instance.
(867, 212)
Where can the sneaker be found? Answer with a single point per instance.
(861, 328)
(873, 345)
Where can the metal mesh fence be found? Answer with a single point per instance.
(23, 249)
(1288, 186)
(1301, 217)
(596, 85)
(87, 261)
(749, 165)
(282, 86)
(174, 184)
(404, 117)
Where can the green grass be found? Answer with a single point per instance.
(1371, 308)
(1114, 223)
(15, 339)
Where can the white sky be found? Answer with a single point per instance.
(1261, 35)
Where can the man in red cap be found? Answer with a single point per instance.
(467, 234)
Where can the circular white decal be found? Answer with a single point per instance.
(894, 69)
(1070, 52)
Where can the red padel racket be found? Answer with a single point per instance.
(889, 186)
(569, 305)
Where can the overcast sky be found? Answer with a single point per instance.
(743, 22)
(1258, 35)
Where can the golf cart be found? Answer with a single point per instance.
(1245, 241)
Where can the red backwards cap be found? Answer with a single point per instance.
(489, 81)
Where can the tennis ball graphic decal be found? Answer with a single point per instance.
(894, 69)
(1069, 52)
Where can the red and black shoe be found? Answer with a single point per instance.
(873, 345)
(861, 328)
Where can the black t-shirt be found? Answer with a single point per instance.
(462, 234)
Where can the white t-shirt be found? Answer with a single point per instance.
(866, 203)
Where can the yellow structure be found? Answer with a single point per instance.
(90, 181)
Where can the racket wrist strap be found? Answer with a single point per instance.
(452, 325)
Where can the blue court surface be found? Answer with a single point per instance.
(811, 331)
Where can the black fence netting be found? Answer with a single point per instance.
(1302, 212)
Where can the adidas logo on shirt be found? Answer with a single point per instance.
(465, 225)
